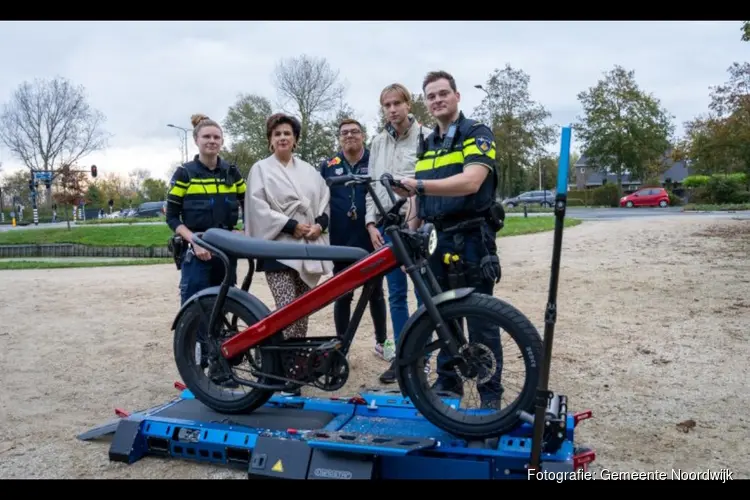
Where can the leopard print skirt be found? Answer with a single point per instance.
(285, 287)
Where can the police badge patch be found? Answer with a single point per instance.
(484, 144)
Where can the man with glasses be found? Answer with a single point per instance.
(347, 223)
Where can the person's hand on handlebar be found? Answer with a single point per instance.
(201, 252)
(405, 187)
(375, 236)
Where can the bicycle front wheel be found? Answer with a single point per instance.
(486, 322)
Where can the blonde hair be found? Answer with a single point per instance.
(199, 121)
(401, 90)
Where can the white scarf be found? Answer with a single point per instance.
(276, 193)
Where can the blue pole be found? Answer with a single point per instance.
(563, 165)
(543, 394)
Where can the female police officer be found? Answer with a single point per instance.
(204, 193)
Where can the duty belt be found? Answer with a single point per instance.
(454, 225)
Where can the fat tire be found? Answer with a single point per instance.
(197, 382)
(513, 323)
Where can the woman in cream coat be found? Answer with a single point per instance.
(287, 200)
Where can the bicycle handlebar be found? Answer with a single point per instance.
(386, 180)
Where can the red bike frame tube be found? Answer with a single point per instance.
(378, 263)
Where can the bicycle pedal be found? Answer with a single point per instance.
(331, 345)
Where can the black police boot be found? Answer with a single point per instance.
(447, 385)
(389, 376)
(490, 398)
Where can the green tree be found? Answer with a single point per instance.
(245, 126)
(707, 145)
(519, 125)
(95, 197)
(746, 31)
(154, 189)
(719, 140)
(15, 186)
(623, 128)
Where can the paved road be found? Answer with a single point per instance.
(629, 213)
(573, 212)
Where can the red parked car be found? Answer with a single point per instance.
(646, 197)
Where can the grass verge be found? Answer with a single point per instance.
(124, 235)
(729, 207)
(517, 226)
(60, 264)
(157, 235)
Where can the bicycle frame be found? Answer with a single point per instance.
(377, 264)
(363, 272)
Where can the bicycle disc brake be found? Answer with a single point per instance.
(479, 363)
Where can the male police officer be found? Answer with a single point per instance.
(347, 226)
(455, 183)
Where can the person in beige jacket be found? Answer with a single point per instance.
(394, 150)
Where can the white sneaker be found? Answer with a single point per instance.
(389, 350)
(379, 350)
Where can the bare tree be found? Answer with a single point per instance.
(313, 88)
(136, 177)
(48, 123)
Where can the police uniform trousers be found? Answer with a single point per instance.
(477, 243)
(198, 274)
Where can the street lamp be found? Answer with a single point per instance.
(185, 134)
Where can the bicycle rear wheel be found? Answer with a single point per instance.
(204, 374)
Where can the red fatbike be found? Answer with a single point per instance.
(279, 364)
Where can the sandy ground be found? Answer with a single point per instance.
(653, 330)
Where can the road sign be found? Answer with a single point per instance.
(43, 175)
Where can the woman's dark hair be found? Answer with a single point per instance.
(280, 119)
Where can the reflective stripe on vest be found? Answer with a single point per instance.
(438, 159)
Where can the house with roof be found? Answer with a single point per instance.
(672, 176)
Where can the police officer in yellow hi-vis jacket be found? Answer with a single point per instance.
(454, 184)
(204, 193)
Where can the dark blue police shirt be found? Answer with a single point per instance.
(342, 229)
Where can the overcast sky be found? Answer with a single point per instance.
(143, 75)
